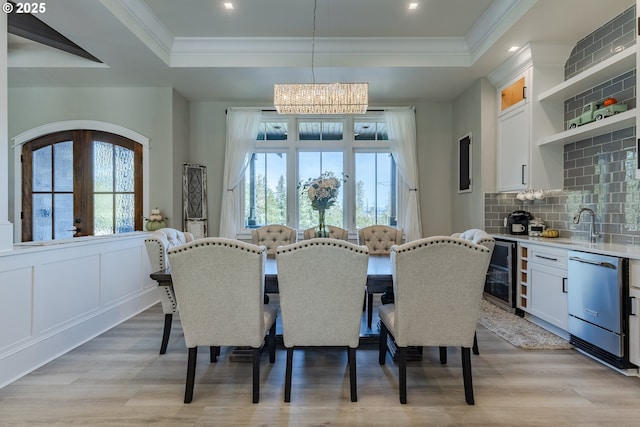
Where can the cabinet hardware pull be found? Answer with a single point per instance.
(522, 177)
(564, 285)
(596, 263)
(547, 258)
(524, 92)
(632, 306)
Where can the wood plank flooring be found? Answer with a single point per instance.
(119, 379)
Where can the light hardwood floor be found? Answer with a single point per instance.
(119, 379)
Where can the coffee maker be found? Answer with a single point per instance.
(518, 222)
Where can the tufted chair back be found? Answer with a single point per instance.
(477, 236)
(160, 241)
(272, 236)
(334, 233)
(379, 238)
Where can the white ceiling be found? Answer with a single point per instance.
(208, 53)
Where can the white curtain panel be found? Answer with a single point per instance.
(242, 129)
(401, 125)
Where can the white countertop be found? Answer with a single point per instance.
(614, 249)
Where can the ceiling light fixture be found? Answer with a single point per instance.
(228, 5)
(320, 98)
(413, 6)
(514, 48)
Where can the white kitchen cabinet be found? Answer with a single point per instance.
(513, 149)
(520, 162)
(547, 274)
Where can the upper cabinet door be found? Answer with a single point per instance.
(513, 149)
(513, 95)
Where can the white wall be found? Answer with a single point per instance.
(180, 112)
(435, 150)
(156, 113)
(474, 112)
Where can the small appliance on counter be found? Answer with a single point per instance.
(518, 222)
(536, 227)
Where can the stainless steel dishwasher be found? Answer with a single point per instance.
(598, 322)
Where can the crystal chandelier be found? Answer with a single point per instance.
(320, 98)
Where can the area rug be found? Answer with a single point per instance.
(518, 331)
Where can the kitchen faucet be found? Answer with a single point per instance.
(593, 235)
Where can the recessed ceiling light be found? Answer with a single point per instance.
(514, 48)
(228, 5)
(413, 6)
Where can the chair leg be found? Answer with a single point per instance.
(369, 309)
(382, 344)
(287, 379)
(402, 365)
(256, 374)
(352, 374)
(168, 318)
(214, 352)
(272, 343)
(191, 374)
(466, 375)
(443, 355)
(475, 348)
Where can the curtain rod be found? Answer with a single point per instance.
(273, 110)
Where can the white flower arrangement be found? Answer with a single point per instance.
(322, 191)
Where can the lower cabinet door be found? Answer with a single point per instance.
(634, 326)
(548, 299)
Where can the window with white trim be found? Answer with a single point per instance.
(290, 150)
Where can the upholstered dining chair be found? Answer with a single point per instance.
(438, 284)
(334, 233)
(379, 239)
(333, 272)
(479, 237)
(219, 284)
(272, 236)
(157, 244)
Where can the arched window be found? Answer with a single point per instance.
(80, 182)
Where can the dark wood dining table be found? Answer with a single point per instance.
(379, 277)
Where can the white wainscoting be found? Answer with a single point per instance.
(56, 297)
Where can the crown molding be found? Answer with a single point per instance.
(275, 51)
(284, 51)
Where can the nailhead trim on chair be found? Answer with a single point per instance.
(203, 242)
(322, 241)
(454, 240)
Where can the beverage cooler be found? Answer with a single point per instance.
(500, 286)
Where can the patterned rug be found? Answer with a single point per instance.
(518, 331)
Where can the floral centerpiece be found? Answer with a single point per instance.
(323, 193)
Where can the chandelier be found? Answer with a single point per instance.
(320, 98)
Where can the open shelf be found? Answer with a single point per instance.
(603, 71)
(599, 127)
